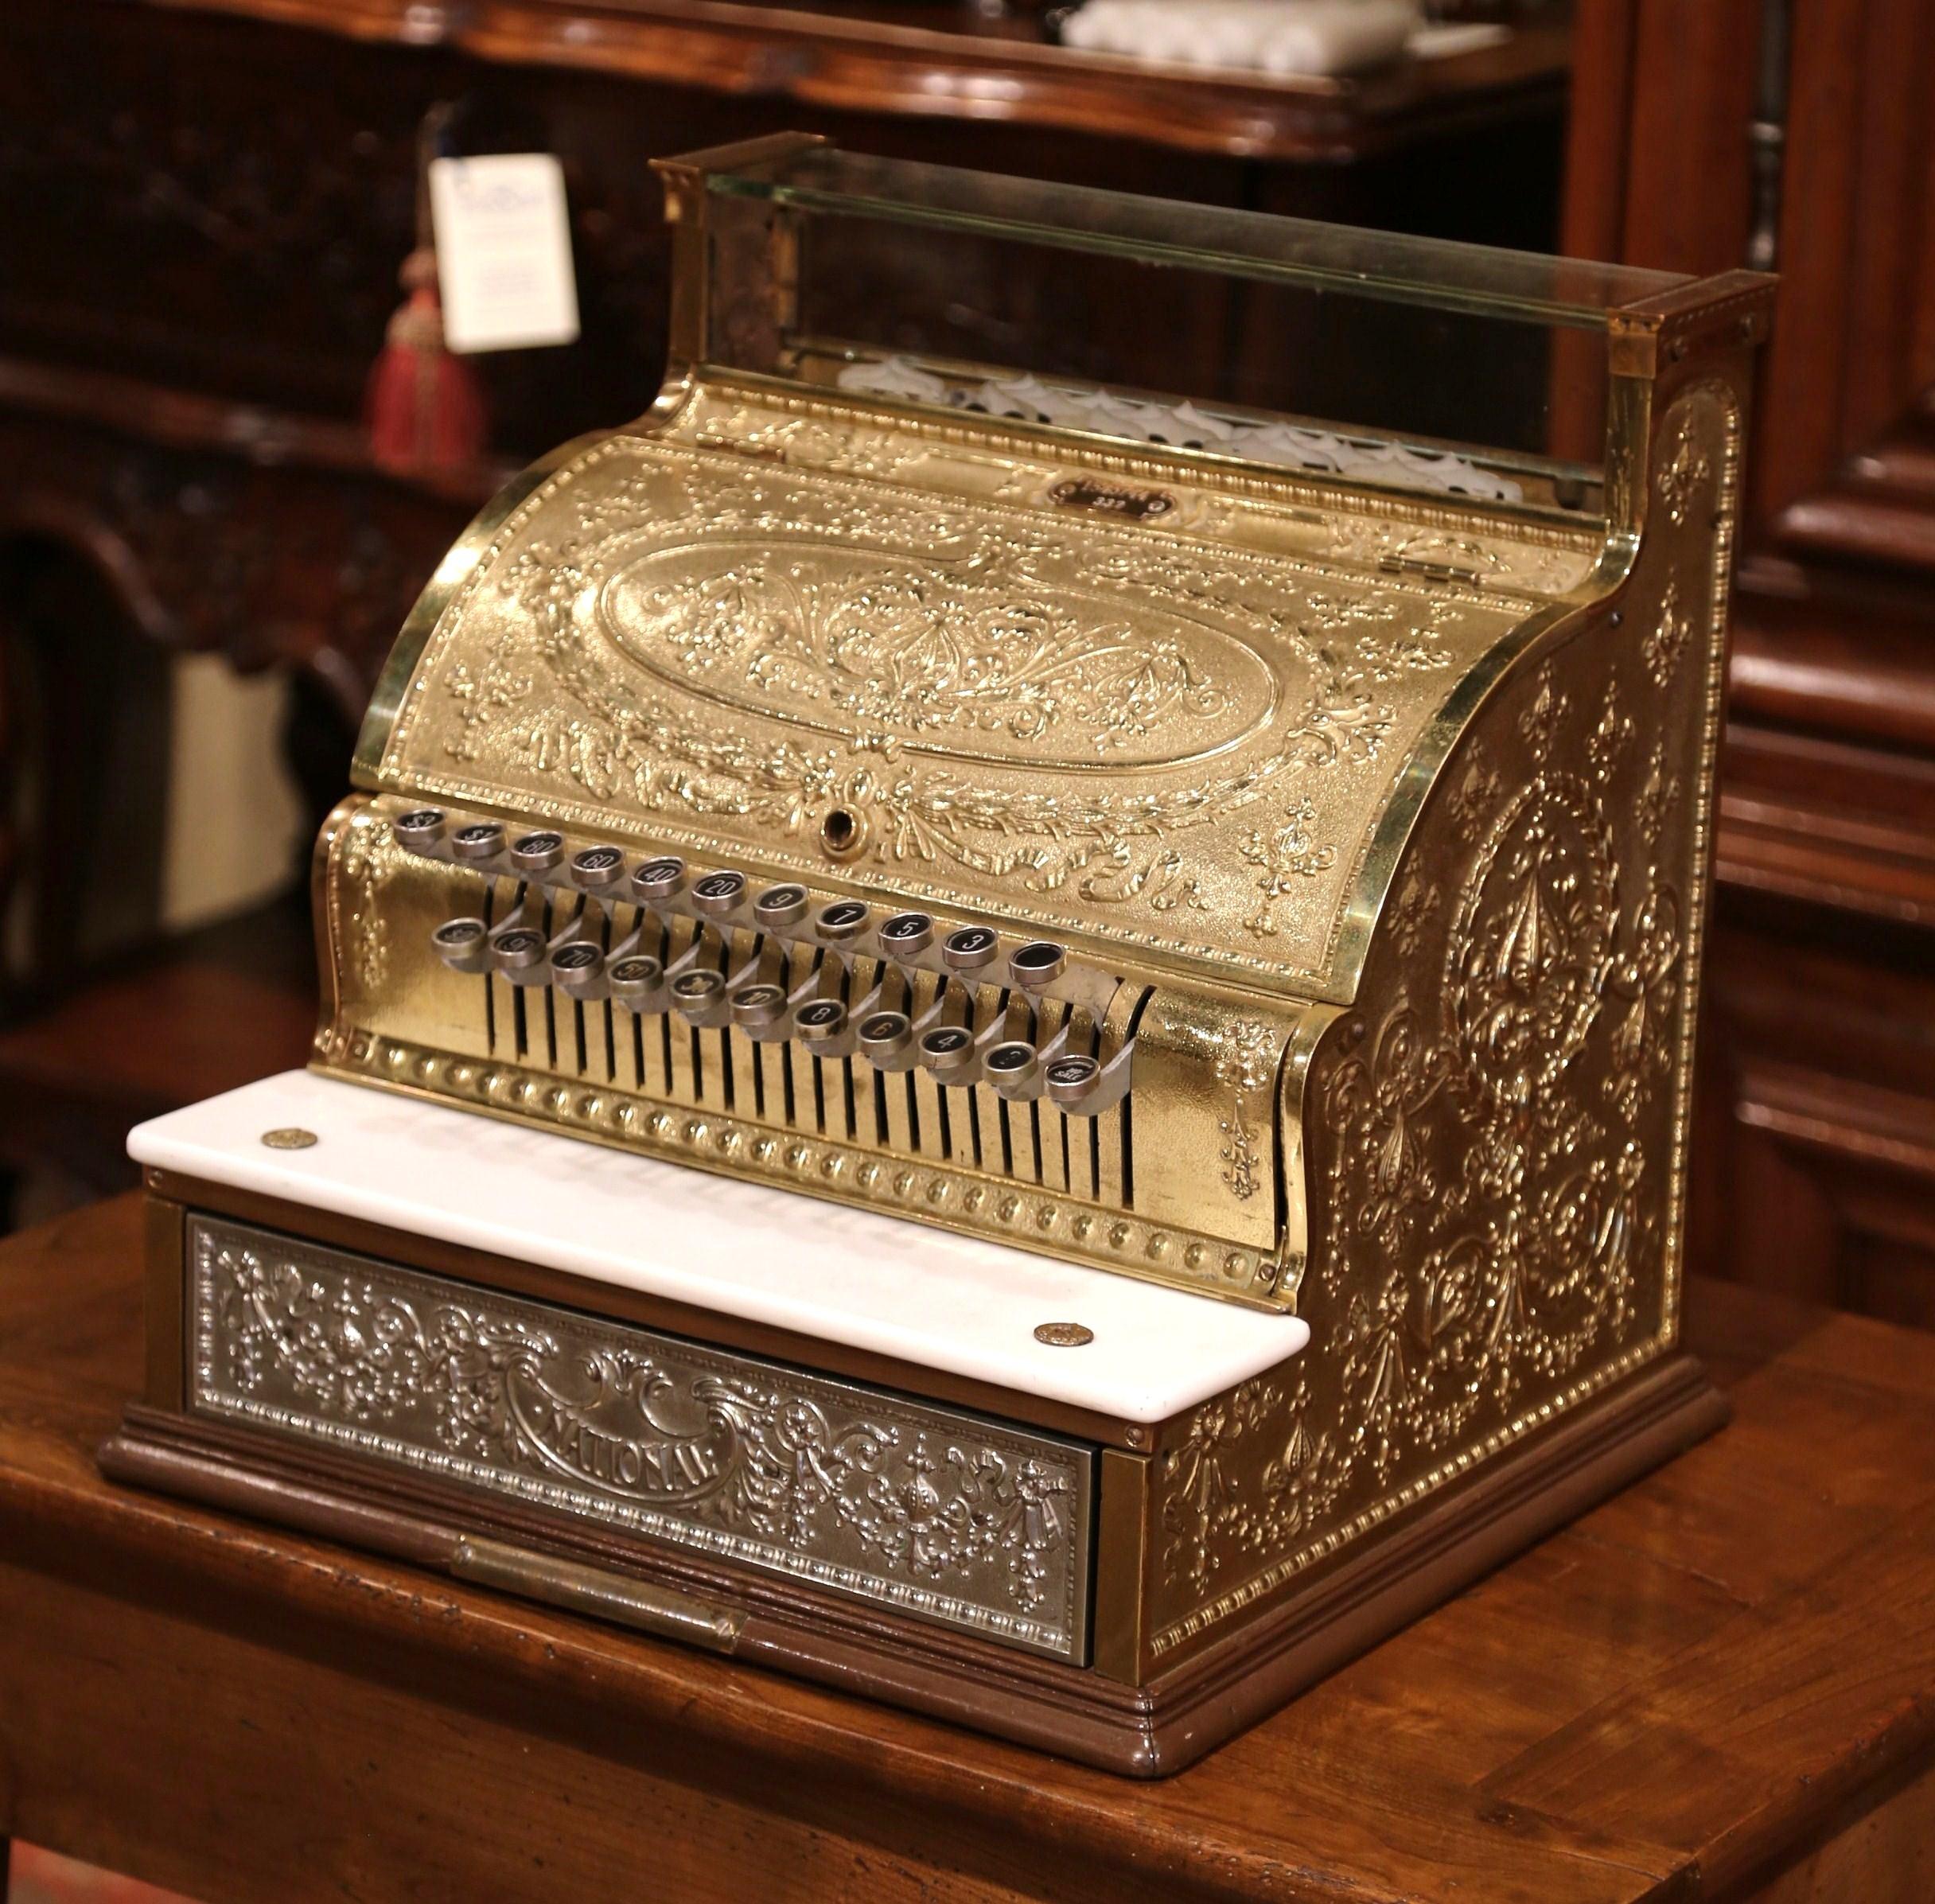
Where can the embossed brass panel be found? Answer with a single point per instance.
(927, 1511)
(1166, 741)
(794, 624)
(1498, 1130)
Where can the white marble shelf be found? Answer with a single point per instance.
(770, 1255)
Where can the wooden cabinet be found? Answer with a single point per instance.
(1796, 133)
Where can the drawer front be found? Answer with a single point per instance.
(930, 1512)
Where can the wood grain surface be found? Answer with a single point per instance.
(959, 63)
(1722, 1683)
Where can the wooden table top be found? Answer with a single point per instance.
(1707, 1679)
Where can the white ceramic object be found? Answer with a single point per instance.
(1287, 37)
(938, 1301)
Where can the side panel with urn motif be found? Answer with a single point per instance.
(1496, 1132)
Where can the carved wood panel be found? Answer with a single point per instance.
(1815, 1146)
(1813, 1168)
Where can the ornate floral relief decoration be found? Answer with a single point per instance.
(1609, 740)
(369, 855)
(731, 651)
(1246, 1066)
(1474, 790)
(1659, 794)
(1553, 568)
(1409, 916)
(1686, 470)
(1214, 1479)
(875, 645)
(1386, 535)
(920, 1508)
(1499, 1130)
(1666, 639)
(1286, 854)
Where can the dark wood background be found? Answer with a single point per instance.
(203, 207)
(1816, 1154)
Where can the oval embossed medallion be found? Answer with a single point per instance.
(945, 657)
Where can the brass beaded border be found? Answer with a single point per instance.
(1027, 1217)
(1213, 1613)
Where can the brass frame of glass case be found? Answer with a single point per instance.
(1375, 827)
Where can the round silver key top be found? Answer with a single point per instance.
(820, 1019)
(463, 944)
(1070, 1080)
(635, 977)
(697, 990)
(1038, 963)
(884, 1035)
(659, 878)
(844, 920)
(718, 894)
(779, 906)
(1012, 1062)
(481, 839)
(757, 1006)
(597, 867)
(947, 1049)
(576, 965)
(517, 950)
(420, 830)
(906, 934)
(537, 852)
(970, 949)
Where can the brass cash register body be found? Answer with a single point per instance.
(1281, 885)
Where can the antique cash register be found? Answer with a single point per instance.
(992, 1032)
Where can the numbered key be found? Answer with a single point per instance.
(537, 852)
(578, 969)
(481, 839)
(637, 982)
(419, 830)
(659, 878)
(463, 944)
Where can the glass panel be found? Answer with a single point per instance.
(1248, 244)
(1316, 372)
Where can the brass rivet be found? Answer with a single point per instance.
(1064, 1335)
(290, 1137)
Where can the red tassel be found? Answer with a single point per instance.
(423, 407)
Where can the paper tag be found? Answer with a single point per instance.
(503, 252)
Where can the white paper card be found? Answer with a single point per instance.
(503, 252)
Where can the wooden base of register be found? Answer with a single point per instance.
(1104, 1701)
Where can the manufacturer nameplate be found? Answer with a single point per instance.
(1112, 499)
(927, 1511)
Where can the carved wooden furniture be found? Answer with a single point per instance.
(1719, 1683)
(1794, 133)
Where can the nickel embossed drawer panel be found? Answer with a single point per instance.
(930, 1512)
